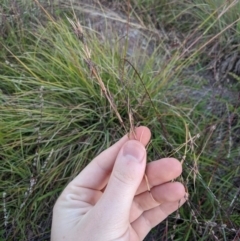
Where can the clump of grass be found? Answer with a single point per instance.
(195, 22)
(187, 15)
(55, 119)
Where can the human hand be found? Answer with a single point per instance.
(109, 199)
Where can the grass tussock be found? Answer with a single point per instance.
(62, 103)
(211, 25)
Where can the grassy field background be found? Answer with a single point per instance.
(171, 66)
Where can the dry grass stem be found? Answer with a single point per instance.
(78, 30)
(149, 189)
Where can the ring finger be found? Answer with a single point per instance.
(168, 192)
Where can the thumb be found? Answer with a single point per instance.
(124, 181)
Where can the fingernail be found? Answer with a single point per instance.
(134, 150)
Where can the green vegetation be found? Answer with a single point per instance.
(54, 117)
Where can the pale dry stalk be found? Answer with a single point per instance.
(78, 30)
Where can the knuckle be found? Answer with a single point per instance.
(124, 177)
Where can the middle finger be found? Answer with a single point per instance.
(159, 172)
